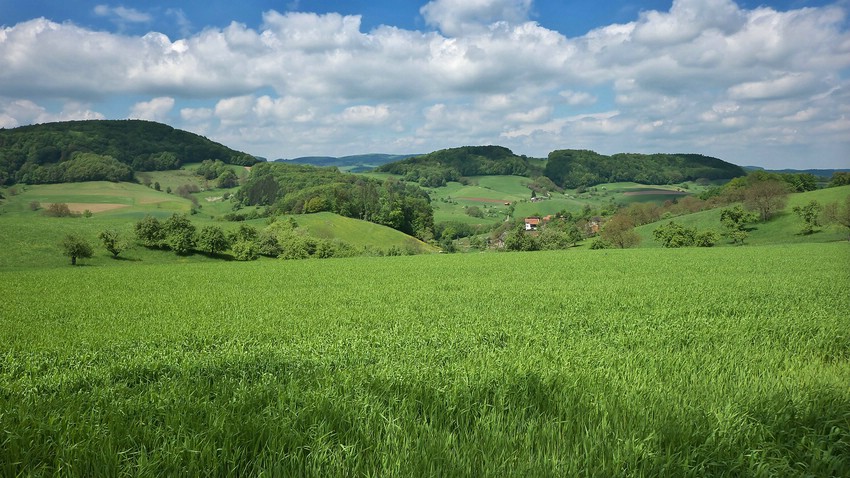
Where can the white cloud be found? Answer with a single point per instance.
(706, 73)
(122, 15)
(156, 109)
(457, 17)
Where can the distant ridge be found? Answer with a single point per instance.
(355, 163)
(821, 173)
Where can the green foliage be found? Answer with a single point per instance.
(179, 234)
(519, 239)
(839, 178)
(474, 211)
(293, 189)
(438, 168)
(576, 168)
(675, 235)
(212, 240)
(149, 231)
(244, 250)
(810, 214)
(112, 242)
(734, 221)
(102, 150)
(75, 247)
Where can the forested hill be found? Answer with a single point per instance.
(435, 169)
(102, 150)
(572, 168)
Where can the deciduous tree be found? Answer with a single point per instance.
(810, 214)
(619, 231)
(766, 197)
(76, 247)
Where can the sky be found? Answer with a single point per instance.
(763, 83)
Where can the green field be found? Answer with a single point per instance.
(784, 228)
(32, 239)
(649, 362)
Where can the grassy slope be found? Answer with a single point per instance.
(31, 239)
(698, 362)
(358, 233)
(782, 229)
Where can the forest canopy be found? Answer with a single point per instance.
(437, 168)
(571, 168)
(102, 150)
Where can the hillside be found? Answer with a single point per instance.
(437, 168)
(782, 229)
(570, 168)
(74, 151)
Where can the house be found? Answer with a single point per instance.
(531, 223)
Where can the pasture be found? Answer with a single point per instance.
(692, 362)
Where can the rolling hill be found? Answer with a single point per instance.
(74, 151)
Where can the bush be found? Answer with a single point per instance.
(245, 250)
(58, 209)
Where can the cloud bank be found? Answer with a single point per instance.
(755, 86)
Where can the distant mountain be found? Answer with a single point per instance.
(355, 163)
(821, 173)
(109, 150)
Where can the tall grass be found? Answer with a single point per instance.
(695, 362)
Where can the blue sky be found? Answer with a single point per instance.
(755, 83)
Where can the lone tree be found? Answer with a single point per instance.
(766, 197)
(619, 231)
(838, 214)
(810, 214)
(112, 241)
(734, 221)
(75, 247)
(150, 232)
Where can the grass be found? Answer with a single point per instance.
(358, 233)
(784, 228)
(721, 362)
(32, 240)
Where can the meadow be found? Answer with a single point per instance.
(648, 362)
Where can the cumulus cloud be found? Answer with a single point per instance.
(706, 75)
(457, 17)
(156, 109)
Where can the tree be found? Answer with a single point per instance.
(75, 247)
(838, 214)
(810, 214)
(619, 231)
(766, 197)
(149, 231)
(227, 179)
(734, 221)
(212, 239)
(674, 234)
(113, 242)
(179, 234)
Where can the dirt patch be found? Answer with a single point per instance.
(655, 192)
(487, 200)
(151, 201)
(79, 207)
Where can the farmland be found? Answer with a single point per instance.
(692, 362)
